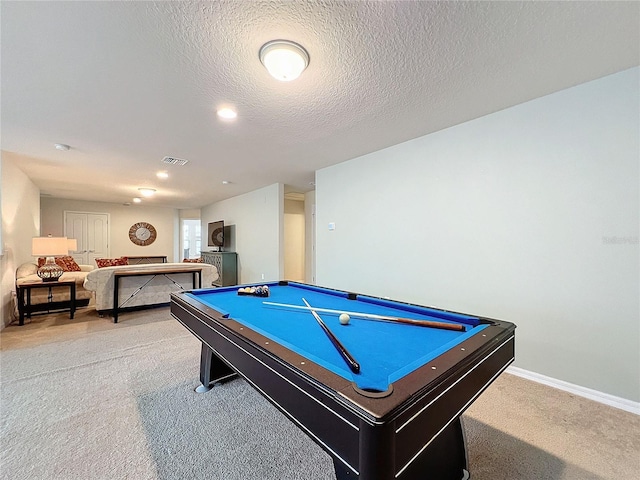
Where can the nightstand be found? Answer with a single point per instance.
(24, 290)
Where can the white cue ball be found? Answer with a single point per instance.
(344, 318)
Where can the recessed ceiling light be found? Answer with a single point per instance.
(227, 113)
(163, 174)
(137, 199)
(283, 59)
(147, 192)
(62, 146)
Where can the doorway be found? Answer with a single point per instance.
(294, 237)
(191, 238)
(91, 230)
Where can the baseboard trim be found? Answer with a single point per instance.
(604, 398)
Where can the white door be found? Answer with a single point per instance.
(91, 230)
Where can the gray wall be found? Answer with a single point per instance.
(257, 220)
(529, 215)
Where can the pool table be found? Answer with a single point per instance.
(398, 417)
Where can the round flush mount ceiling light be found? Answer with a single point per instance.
(283, 59)
(146, 192)
(137, 200)
(62, 146)
(162, 174)
(227, 113)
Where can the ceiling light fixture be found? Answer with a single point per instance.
(147, 192)
(162, 174)
(227, 113)
(62, 146)
(137, 200)
(283, 59)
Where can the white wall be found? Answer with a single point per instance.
(189, 213)
(310, 237)
(256, 220)
(165, 220)
(20, 202)
(528, 215)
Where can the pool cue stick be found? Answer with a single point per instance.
(353, 365)
(371, 316)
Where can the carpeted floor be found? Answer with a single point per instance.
(89, 399)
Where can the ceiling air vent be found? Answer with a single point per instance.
(174, 161)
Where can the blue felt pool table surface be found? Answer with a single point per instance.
(386, 351)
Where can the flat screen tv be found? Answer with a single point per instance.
(216, 234)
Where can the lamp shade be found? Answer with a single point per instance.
(49, 246)
(72, 244)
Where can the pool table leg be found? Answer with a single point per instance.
(342, 473)
(445, 458)
(212, 369)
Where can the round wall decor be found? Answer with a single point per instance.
(142, 233)
(217, 237)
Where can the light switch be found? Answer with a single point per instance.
(332, 226)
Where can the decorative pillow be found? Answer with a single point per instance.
(67, 263)
(103, 262)
(111, 262)
(70, 264)
(193, 260)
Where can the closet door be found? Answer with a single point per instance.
(91, 230)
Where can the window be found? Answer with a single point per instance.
(191, 238)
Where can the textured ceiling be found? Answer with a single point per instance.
(127, 83)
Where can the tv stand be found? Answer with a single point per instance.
(227, 265)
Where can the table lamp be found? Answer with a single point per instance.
(49, 247)
(72, 244)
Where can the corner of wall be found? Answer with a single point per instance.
(20, 206)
